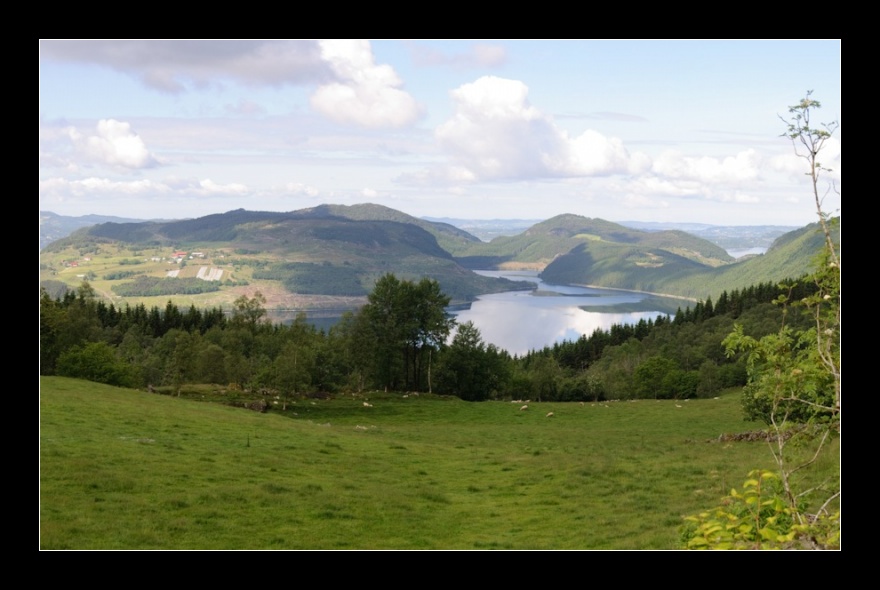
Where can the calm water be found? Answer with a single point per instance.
(740, 252)
(519, 321)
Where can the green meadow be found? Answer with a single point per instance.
(125, 469)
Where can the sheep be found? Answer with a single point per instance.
(368, 405)
(550, 414)
(523, 408)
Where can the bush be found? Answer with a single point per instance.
(759, 517)
(96, 361)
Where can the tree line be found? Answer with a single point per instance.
(403, 339)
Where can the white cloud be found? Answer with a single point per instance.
(743, 167)
(654, 186)
(209, 187)
(365, 94)
(798, 167)
(114, 144)
(591, 154)
(496, 134)
(298, 189)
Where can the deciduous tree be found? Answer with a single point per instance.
(794, 375)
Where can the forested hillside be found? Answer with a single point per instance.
(541, 244)
(397, 341)
(659, 270)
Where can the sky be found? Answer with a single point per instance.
(666, 131)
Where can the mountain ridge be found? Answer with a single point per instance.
(339, 250)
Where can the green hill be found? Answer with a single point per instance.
(659, 271)
(543, 243)
(449, 237)
(335, 251)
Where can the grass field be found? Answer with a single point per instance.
(122, 469)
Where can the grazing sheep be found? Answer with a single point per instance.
(368, 405)
(523, 408)
(550, 414)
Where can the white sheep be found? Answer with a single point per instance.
(550, 414)
(523, 408)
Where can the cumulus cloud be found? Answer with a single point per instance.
(496, 134)
(366, 93)
(172, 66)
(114, 144)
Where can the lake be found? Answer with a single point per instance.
(520, 321)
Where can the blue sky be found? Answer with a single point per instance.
(667, 131)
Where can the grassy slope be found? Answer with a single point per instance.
(121, 469)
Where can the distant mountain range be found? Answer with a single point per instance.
(54, 227)
(339, 251)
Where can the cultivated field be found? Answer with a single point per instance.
(122, 469)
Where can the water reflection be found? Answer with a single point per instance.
(519, 321)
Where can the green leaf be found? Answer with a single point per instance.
(768, 533)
